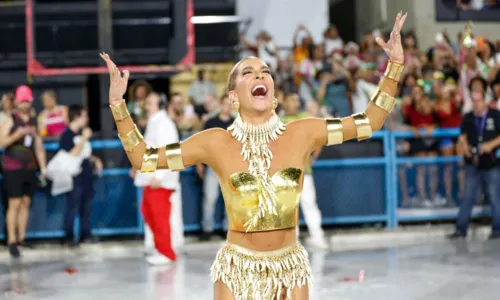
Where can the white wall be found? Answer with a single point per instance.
(281, 17)
(370, 14)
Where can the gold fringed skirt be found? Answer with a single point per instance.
(264, 275)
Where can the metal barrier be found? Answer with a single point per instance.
(428, 214)
(371, 197)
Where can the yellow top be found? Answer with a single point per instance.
(241, 197)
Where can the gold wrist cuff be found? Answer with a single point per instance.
(394, 70)
(363, 126)
(335, 131)
(174, 157)
(119, 111)
(149, 160)
(131, 139)
(383, 100)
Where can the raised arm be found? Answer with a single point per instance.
(361, 125)
(174, 156)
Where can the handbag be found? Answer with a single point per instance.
(61, 169)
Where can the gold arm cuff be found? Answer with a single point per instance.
(383, 100)
(335, 131)
(394, 70)
(119, 111)
(131, 139)
(363, 126)
(174, 157)
(149, 160)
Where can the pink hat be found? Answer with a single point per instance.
(24, 93)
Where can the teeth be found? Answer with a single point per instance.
(259, 86)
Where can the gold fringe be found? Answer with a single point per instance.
(261, 275)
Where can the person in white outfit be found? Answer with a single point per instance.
(211, 189)
(308, 204)
(161, 206)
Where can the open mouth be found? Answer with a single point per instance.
(259, 91)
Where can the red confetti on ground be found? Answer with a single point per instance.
(360, 278)
(347, 279)
(9, 292)
(70, 271)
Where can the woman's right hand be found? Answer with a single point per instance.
(22, 131)
(118, 83)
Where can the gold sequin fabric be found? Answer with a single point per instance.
(255, 149)
(241, 197)
(257, 275)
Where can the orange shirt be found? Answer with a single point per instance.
(299, 54)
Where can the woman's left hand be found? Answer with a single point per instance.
(393, 48)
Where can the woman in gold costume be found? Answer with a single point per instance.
(259, 163)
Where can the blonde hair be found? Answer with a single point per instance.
(231, 79)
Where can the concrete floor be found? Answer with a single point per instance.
(438, 271)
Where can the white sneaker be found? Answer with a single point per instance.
(426, 203)
(318, 242)
(439, 200)
(148, 251)
(158, 260)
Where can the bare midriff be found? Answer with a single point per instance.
(263, 240)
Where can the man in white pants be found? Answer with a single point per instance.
(308, 203)
(311, 212)
(161, 190)
(211, 189)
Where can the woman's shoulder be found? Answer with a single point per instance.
(305, 124)
(212, 136)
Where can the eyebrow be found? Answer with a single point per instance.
(251, 68)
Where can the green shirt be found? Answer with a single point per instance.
(298, 116)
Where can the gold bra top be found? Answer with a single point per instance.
(241, 193)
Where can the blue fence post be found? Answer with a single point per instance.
(392, 156)
(387, 173)
(140, 220)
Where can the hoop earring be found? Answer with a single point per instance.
(275, 103)
(236, 105)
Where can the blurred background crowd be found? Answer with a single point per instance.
(332, 76)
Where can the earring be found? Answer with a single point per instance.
(275, 103)
(236, 105)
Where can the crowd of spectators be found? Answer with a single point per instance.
(335, 78)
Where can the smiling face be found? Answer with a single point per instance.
(250, 83)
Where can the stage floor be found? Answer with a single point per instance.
(444, 270)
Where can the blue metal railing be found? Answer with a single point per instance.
(389, 162)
